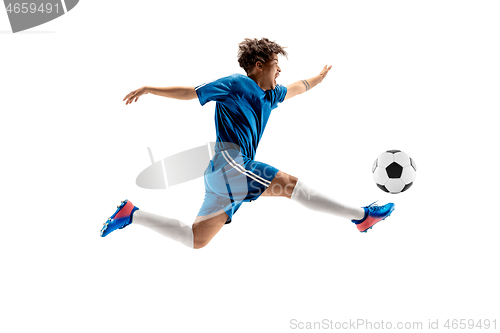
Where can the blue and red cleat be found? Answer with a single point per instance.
(373, 215)
(120, 219)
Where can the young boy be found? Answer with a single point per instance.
(243, 106)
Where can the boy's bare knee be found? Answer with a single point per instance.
(200, 237)
(282, 185)
(198, 244)
(205, 228)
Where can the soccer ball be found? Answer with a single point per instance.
(394, 171)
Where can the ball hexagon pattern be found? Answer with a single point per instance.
(394, 171)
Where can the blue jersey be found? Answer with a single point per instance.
(241, 111)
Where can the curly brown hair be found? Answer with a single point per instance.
(252, 50)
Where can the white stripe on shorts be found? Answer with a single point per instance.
(244, 171)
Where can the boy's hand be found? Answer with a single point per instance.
(135, 95)
(324, 71)
(304, 85)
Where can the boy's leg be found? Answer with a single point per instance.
(196, 236)
(293, 188)
(206, 227)
(282, 185)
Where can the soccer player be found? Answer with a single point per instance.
(243, 106)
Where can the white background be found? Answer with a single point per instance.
(422, 77)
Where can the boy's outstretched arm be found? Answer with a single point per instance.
(304, 85)
(184, 93)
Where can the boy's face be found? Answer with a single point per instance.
(271, 70)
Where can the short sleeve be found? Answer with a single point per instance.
(278, 95)
(217, 90)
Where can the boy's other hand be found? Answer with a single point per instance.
(135, 95)
(324, 71)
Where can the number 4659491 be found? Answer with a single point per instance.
(26, 8)
(470, 324)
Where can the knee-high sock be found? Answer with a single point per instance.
(172, 228)
(320, 202)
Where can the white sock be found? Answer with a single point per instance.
(172, 228)
(320, 202)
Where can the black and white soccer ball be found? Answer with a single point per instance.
(394, 171)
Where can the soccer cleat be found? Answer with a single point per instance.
(120, 219)
(373, 215)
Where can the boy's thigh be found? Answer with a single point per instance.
(282, 185)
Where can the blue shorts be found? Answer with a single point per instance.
(231, 178)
